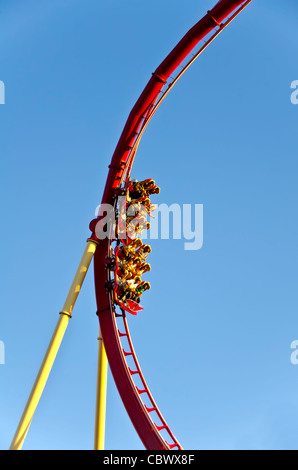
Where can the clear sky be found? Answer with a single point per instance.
(214, 338)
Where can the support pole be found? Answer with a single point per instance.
(101, 396)
(53, 347)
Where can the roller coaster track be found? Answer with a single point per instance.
(138, 401)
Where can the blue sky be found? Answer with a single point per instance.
(214, 338)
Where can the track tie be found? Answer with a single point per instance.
(121, 334)
(126, 353)
(150, 409)
(141, 391)
(171, 446)
(160, 428)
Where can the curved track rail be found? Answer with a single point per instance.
(138, 401)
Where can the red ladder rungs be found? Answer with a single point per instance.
(141, 391)
(160, 428)
(126, 353)
(171, 446)
(150, 409)
(121, 334)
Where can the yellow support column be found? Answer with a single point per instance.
(101, 397)
(53, 347)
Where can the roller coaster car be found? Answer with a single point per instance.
(134, 209)
(127, 298)
(130, 255)
(129, 267)
(124, 289)
(133, 228)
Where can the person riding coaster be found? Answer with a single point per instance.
(131, 271)
(135, 227)
(127, 291)
(143, 251)
(141, 206)
(126, 252)
(139, 189)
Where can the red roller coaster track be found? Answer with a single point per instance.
(126, 371)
